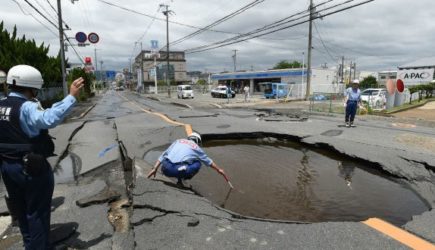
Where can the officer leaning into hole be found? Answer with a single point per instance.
(183, 159)
(24, 146)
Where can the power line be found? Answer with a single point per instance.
(321, 40)
(55, 11)
(237, 39)
(39, 12)
(149, 25)
(161, 19)
(43, 8)
(219, 21)
(30, 14)
(66, 37)
(75, 51)
(275, 24)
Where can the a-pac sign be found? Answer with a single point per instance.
(415, 76)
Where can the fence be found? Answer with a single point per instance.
(327, 102)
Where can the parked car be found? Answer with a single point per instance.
(184, 91)
(221, 91)
(374, 97)
(120, 88)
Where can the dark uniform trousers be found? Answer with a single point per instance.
(30, 195)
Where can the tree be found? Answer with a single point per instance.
(201, 82)
(412, 89)
(88, 77)
(14, 51)
(368, 82)
(284, 64)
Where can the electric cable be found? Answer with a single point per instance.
(219, 21)
(227, 42)
(41, 14)
(160, 19)
(44, 9)
(323, 44)
(30, 14)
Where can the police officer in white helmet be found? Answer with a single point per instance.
(183, 159)
(24, 146)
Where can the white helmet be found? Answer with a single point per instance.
(356, 81)
(195, 137)
(25, 76)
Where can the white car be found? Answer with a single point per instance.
(374, 97)
(184, 91)
(221, 91)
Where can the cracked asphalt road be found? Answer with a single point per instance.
(161, 216)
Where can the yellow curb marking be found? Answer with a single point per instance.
(187, 127)
(399, 234)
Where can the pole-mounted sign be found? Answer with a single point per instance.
(81, 37)
(93, 37)
(154, 46)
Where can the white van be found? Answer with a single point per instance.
(184, 91)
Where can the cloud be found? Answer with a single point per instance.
(377, 36)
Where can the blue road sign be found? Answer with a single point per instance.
(110, 74)
(154, 44)
(81, 37)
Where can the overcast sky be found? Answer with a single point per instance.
(380, 35)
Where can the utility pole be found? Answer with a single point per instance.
(62, 50)
(303, 68)
(235, 59)
(96, 63)
(101, 69)
(342, 69)
(141, 68)
(155, 74)
(350, 72)
(166, 12)
(354, 70)
(310, 40)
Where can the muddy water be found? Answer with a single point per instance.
(283, 180)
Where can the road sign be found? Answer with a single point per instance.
(81, 37)
(93, 37)
(154, 44)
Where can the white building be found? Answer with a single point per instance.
(322, 80)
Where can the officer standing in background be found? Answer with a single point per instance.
(24, 146)
(352, 98)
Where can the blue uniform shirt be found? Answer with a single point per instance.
(184, 150)
(353, 95)
(33, 118)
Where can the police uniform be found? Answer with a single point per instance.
(353, 97)
(28, 177)
(183, 159)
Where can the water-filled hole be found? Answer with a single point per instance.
(284, 180)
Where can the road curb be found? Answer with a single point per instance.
(184, 105)
(154, 98)
(408, 108)
(216, 105)
(84, 113)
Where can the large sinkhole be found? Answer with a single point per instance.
(284, 180)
